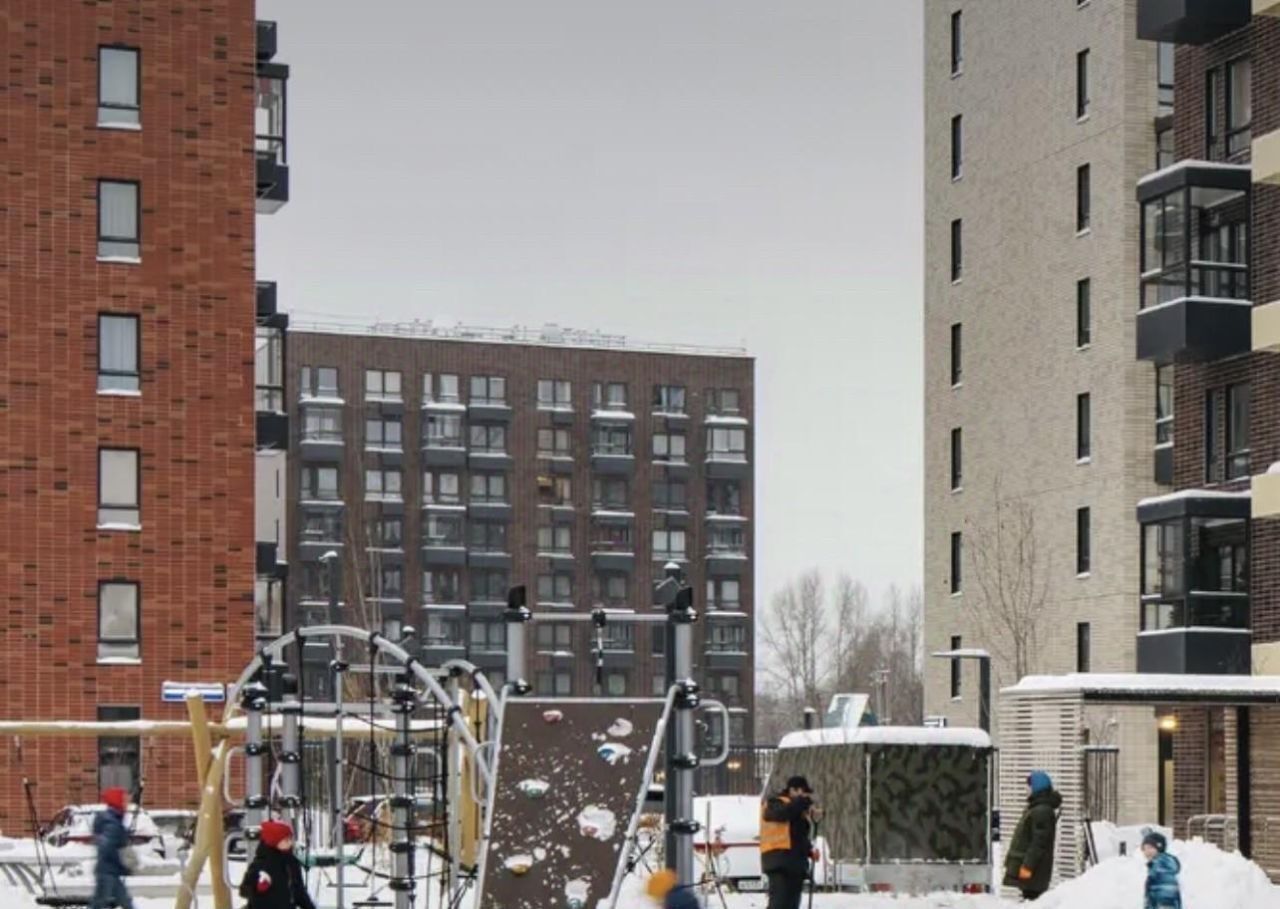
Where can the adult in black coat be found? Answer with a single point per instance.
(786, 846)
(1028, 865)
(274, 879)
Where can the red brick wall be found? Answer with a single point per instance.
(194, 419)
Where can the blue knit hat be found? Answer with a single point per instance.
(1039, 781)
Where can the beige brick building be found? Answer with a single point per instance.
(1054, 108)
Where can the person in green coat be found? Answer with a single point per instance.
(1028, 865)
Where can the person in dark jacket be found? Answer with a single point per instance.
(111, 838)
(1028, 865)
(1163, 891)
(274, 878)
(786, 844)
(664, 889)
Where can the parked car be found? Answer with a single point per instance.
(74, 825)
(176, 825)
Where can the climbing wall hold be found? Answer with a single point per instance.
(534, 789)
(621, 728)
(552, 716)
(613, 752)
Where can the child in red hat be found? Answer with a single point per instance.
(111, 838)
(274, 878)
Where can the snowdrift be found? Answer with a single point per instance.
(1211, 879)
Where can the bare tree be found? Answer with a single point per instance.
(850, 632)
(1012, 574)
(795, 637)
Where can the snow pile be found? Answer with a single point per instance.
(1210, 878)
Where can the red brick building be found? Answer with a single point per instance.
(127, 201)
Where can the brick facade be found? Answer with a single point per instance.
(192, 422)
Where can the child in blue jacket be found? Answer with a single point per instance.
(1162, 874)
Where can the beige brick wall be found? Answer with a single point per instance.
(1016, 301)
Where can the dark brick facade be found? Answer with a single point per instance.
(193, 421)
(522, 366)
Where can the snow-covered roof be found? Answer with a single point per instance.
(1193, 494)
(1152, 686)
(887, 735)
(1198, 165)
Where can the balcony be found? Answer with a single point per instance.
(613, 460)
(443, 451)
(270, 137)
(492, 409)
(1195, 296)
(268, 561)
(613, 553)
(1191, 21)
(321, 443)
(1195, 583)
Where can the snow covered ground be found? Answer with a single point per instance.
(1211, 879)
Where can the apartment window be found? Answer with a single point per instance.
(556, 491)
(554, 636)
(554, 394)
(382, 483)
(1083, 202)
(957, 354)
(724, 497)
(668, 399)
(611, 441)
(615, 684)
(610, 494)
(553, 684)
(1084, 645)
(386, 533)
(384, 432)
(314, 585)
(1084, 446)
(119, 484)
(611, 538)
(489, 438)
(957, 249)
(1164, 404)
(320, 483)
(323, 525)
(554, 443)
(444, 631)
(669, 446)
(119, 217)
(555, 588)
(1084, 313)
(956, 677)
(118, 621)
(1239, 97)
(957, 459)
(489, 637)
(491, 390)
(440, 389)
(724, 402)
(957, 43)
(390, 583)
(727, 539)
(1212, 406)
(611, 589)
(669, 544)
(724, 594)
(618, 636)
(1212, 117)
(489, 487)
(957, 548)
(490, 586)
(319, 382)
(1083, 542)
(487, 536)
(670, 495)
(268, 369)
(443, 430)
(441, 488)
(118, 353)
(1164, 76)
(1082, 83)
(381, 385)
(322, 424)
(555, 538)
(726, 637)
(1237, 459)
(1166, 153)
(119, 87)
(119, 757)
(444, 530)
(727, 444)
(609, 396)
(726, 687)
(957, 146)
(441, 586)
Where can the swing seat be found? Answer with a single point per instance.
(327, 858)
(61, 901)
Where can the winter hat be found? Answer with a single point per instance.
(1157, 840)
(273, 833)
(1039, 781)
(799, 782)
(661, 883)
(116, 799)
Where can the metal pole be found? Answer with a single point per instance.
(455, 790)
(339, 772)
(291, 760)
(682, 758)
(402, 751)
(517, 618)
(255, 803)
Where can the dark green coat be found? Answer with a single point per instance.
(1033, 842)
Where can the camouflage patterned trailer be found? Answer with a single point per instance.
(907, 810)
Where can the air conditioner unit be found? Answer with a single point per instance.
(546, 483)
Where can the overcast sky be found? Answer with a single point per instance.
(714, 171)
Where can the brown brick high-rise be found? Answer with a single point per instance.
(127, 203)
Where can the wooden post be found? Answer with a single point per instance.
(199, 736)
(208, 843)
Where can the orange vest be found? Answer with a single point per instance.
(775, 836)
